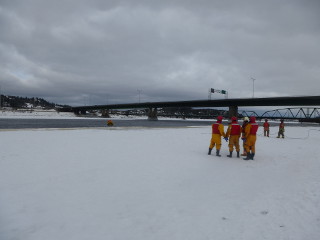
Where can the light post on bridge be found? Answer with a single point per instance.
(139, 92)
(253, 79)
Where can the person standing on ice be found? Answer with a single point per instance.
(250, 137)
(244, 124)
(233, 133)
(266, 127)
(281, 129)
(217, 132)
(110, 123)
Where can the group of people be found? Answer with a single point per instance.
(266, 128)
(247, 132)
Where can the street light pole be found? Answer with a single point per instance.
(139, 91)
(253, 86)
(0, 98)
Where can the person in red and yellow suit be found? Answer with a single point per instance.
(233, 133)
(110, 123)
(281, 129)
(266, 128)
(250, 137)
(245, 123)
(217, 132)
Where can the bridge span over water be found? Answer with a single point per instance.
(232, 104)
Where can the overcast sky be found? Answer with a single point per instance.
(81, 52)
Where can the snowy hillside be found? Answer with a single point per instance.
(35, 113)
(156, 184)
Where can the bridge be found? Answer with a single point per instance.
(232, 104)
(303, 114)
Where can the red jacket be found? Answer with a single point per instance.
(281, 126)
(266, 125)
(254, 128)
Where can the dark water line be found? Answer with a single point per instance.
(78, 123)
(6, 123)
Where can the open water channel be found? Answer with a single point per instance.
(19, 123)
(6, 123)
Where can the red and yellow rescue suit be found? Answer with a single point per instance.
(217, 132)
(245, 123)
(250, 137)
(233, 133)
(266, 127)
(281, 130)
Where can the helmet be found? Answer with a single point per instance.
(234, 119)
(246, 119)
(252, 119)
(219, 118)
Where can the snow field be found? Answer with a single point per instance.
(142, 183)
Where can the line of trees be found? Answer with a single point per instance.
(24, 102)
(183, 112)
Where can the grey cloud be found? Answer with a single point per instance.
(69, 51)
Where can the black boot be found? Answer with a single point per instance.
(210, 149)
(251, 156)
(230, 155)
(218, 153)
(248, 156)
(238, 154)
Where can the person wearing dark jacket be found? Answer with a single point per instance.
(244, 124)
(266, 128)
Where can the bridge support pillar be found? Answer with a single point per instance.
(83, 112)
(153, 114)
(105, 113)
(233, 111)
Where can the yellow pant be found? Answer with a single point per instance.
(215, 141)
(250, 144)
(234, 142)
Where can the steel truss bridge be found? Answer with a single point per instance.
(301, 114)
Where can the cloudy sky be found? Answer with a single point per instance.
(81, 52)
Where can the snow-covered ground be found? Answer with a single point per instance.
(155, 184)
